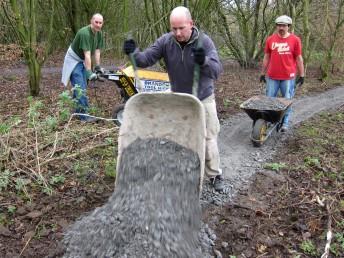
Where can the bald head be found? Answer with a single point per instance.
(96, 22)
(181, 11)
(181, 23)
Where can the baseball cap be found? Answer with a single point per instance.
(284, 19)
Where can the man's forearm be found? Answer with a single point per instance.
(97, 56)
(88, 62)
(266, 60)
(300, 66)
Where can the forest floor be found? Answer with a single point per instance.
(54, 169)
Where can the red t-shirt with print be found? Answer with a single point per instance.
(283, 53)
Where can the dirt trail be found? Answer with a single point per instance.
(23, 70)
(240, 160)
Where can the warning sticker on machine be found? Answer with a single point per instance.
(154, 86)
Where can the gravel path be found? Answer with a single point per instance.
(240, 160)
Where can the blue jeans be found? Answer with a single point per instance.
(287, 88)
(78, 77)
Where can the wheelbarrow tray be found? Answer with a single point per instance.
(268, 108)
(177, 117)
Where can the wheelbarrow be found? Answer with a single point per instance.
(177, 117)
(267, 114)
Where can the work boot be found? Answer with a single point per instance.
(218, 183)
(284, 129)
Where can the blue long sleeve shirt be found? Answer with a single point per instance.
(180, 62)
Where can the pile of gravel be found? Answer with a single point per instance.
(210, 196)
(264, 103)
(153, 212)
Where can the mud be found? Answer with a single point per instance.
(153, 212)
(239, 159)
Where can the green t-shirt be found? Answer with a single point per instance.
(86, 40)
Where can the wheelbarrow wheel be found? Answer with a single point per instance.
(117, 114)
(259, 132)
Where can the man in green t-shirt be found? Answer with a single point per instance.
(77, 65)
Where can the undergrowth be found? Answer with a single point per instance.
(311, 212)
(44, 151)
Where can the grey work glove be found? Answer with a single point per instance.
(91, 76)
(99, 69)
(262, 78)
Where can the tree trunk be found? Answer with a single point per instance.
(306, 33)
(75, 16)
(325, 69)
(35, 77)
(21, 15)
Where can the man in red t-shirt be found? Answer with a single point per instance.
(282, 59)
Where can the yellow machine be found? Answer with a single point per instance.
(150, 81)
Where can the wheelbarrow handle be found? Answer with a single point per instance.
(197, 69)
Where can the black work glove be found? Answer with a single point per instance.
(199, 55)
(129, 46)
(300, 80)
(99, 69)
(262, 78)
